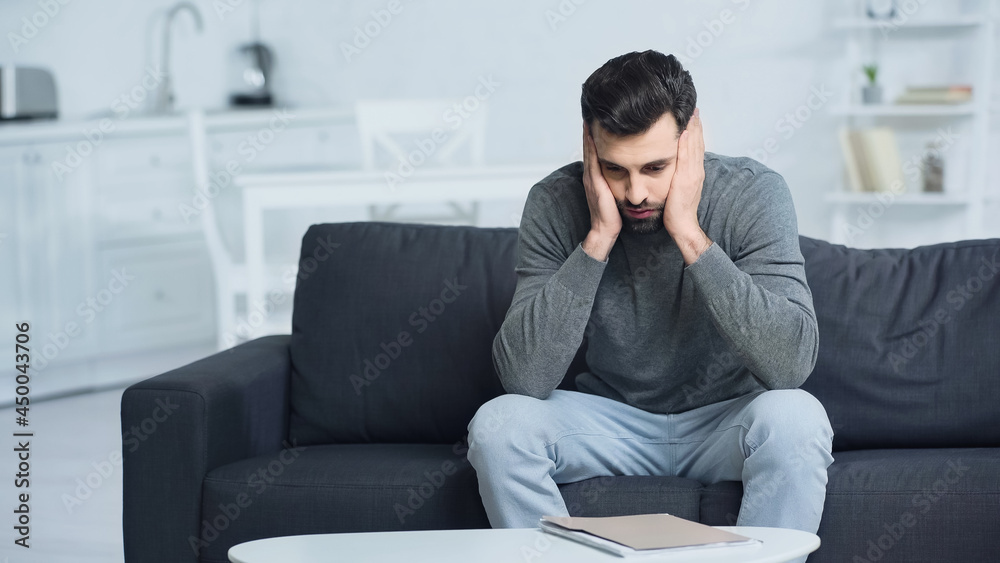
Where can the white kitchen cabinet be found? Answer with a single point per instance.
(298, 146)
(52, 233)
(10, 298)
(140, 185)
(160, 295)
(67, 235)
(147, 248)
(116, 281)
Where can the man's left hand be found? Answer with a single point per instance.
(680, 211)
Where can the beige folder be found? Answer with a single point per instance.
(651, 531)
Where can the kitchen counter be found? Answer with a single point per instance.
(41, 131)
(81, 199)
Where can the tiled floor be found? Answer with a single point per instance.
(75, 481)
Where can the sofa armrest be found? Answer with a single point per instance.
(178, 426)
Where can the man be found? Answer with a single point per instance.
(682, 268)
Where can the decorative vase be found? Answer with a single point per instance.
(932, 168)
(871, 94)
(880, 9)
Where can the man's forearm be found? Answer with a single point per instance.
(542, 332)
(598, 245)
(775, 337)
(692, 243)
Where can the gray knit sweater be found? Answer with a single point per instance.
(662, 336)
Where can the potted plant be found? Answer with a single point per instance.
(872, 92)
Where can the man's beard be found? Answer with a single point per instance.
(643, 226)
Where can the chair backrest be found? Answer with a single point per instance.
(227, 273)
(909, 351)
(222, 259)
(435, 130)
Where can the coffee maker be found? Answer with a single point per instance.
(251, 66)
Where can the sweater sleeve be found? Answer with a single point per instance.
(556, 285)
(759, 299)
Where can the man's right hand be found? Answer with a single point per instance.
(605, 219)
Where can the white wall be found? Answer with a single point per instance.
(760, 67)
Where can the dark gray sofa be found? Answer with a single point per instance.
(357, 420)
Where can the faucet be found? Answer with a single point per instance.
(164, 100)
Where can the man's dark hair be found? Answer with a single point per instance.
(629, 93)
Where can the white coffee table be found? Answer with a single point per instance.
(496, 546)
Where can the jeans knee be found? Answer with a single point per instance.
(502, 420)
(793, 417)
(490, 417)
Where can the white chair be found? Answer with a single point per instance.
(380, 124)
(231, 281)
(436, 130)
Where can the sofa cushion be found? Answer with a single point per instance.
(720, 503)
(622, 495)
(953, 496)
(908, 353)
(912, 505)
(384, 487)
(392, 330)
(340, 488)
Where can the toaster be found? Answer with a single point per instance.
(27, 93)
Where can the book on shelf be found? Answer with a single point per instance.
(851, 164)
(953, 94)
(871, 159)
(641, 535)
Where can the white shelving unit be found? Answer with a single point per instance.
(906, 110)
(914, 217)
(958, 20)
(907, 199)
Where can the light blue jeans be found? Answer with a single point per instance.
(777, 442)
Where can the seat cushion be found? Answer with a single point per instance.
(912, 505)
(940, 503)
(624, 494)
(908, 353)
(341, 488)
(720, 503)
(384, 487)
(392, 330)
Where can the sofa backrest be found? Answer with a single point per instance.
(909, 351)
(392, 330)
(393, 326)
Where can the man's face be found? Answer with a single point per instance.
(638, 170)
